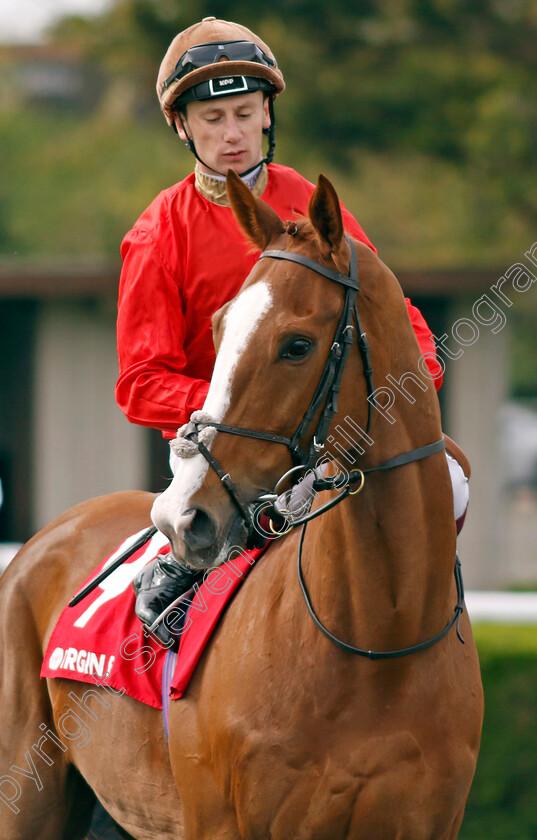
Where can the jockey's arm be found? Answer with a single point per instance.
(426, 343)
(155, 387)
(151, 389)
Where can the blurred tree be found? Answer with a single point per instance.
(423, 110)
(453, 79)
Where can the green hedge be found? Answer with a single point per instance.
(503, 799)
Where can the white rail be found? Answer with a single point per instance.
(7, 553)
(502, 607)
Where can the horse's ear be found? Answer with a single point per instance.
(325, 214)
(259, 222)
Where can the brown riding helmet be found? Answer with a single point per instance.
(224, 55)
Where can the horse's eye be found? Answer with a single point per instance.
(296, 349)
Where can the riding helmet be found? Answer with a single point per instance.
(215, 58)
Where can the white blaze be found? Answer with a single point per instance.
(240, 322)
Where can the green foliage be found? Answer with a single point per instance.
(502, 800)
(423, 112)
(423, 85)
(89, 180)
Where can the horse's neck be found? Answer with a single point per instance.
(381, 563)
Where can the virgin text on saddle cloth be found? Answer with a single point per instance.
(73, 725)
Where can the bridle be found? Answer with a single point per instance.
(325, 399)
(326, 394)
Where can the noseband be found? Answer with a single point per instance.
(325, 396)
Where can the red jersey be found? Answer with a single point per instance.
(185, 258)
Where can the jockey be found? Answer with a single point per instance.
(186, 256)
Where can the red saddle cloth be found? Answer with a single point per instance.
(101, 640)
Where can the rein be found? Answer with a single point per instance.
(384, 654)
(359, 476)
(327, 393)
(355, 476)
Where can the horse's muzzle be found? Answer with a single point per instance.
(198, 542)
(200, 535)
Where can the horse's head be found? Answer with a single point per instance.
(274, 343)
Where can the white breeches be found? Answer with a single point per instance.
(460, 485)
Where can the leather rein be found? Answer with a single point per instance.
(326, 397)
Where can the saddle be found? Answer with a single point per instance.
(456, 452)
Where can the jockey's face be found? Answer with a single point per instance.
(227, 132)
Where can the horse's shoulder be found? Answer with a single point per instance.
(113, 514)
(53, 563)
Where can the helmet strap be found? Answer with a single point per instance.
(189, 142)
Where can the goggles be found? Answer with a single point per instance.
(204, 54)
(226, 86)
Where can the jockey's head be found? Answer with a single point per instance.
(214, 70)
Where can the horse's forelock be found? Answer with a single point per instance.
(303, 232)
(300, 229)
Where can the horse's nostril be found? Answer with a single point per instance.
(201, 532)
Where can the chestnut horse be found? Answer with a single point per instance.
(283, 733)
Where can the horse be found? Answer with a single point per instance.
(339, 702)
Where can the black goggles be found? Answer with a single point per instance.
(212, 53)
